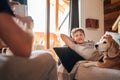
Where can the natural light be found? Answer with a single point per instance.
(37, 10)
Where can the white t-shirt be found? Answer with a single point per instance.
(87, 51)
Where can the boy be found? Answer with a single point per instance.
(77, 43)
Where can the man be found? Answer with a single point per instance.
(22, 66)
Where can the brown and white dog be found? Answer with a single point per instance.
(110, 49)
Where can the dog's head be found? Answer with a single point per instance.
(109, 45)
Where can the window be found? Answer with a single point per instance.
(37, 10)
(59, 20)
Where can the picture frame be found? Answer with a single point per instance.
(92, 23)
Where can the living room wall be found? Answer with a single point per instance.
(92, 9)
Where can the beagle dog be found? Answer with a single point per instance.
(111, 53)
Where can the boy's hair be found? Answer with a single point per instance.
(74, 30)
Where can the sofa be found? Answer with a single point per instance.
(80, 72)
(96, 73)
(90, 73)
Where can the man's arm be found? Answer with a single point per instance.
(18, 40)
(26, 19)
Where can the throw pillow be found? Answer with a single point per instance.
(68, 57)
(116, 36)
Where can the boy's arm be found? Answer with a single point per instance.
(67, 40)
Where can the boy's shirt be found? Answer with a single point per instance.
(87, 50)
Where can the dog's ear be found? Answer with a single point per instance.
(113, 51)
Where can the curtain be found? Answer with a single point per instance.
(74, 15)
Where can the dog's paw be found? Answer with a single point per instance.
(87, 65)
(90, 64)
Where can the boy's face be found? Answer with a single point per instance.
(78, 37)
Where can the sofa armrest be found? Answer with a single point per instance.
(96, 73)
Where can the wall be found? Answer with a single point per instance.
(92, 9)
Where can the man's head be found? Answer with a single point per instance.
(13, 4)
(78, 35)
